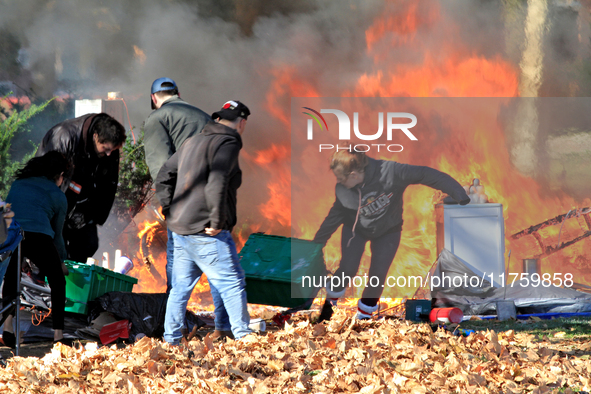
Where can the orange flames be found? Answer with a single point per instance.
(149, 257)
(474, 147)
(456, 75)
(276, 159)
(284, 86)
(151, 275)
(8, 103)
(139, 54)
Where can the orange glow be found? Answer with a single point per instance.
(7, 103)
(467, 77)
(151, 274)
(456, 74)
(277, 208)
(150, 266)
(149, 257)
(401, 26)
(285, 85)
(475, 148)
(273, 154)
(139, 54)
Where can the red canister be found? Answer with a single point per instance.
(446, 315)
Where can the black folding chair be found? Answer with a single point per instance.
(7, 248)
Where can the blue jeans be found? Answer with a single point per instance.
(170, 261)
(217, 258)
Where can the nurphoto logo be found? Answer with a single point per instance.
(392, 124)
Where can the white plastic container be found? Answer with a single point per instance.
(475, 233)
(123, 265)
(105, 262)
(257, 325)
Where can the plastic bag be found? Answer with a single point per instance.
(145, 311)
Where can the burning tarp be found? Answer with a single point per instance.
(453, 284)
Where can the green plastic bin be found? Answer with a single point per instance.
(87, 282)
(270, 277)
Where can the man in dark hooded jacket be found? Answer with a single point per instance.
(197, 188)
(91, 143)
(368, 205)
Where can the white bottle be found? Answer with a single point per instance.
(106, 260)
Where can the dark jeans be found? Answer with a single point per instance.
(383, 250)
(39, 248)
(81, 243)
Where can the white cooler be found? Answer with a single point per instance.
(475, 233)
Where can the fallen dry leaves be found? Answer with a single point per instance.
(343, 356)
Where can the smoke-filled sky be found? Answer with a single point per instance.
(217, 50)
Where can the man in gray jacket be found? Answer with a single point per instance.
(165, 130)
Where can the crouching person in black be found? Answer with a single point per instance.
(40, 208)
(91, 142)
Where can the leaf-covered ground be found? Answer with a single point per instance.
(386, 356)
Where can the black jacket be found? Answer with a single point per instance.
(96, 176)
(197, 185)
(379, 198)
(167, 128)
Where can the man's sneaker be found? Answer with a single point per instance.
(365, 312)
(220, 335)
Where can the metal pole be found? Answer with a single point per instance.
(18, 302)
(506, 273)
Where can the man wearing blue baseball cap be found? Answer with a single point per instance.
(168, 126)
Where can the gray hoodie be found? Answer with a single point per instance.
(379, 198)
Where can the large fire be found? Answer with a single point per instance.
(477, 148)
(147, 250)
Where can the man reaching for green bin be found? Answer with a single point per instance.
(368, 205)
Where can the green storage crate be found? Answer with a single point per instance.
(87, 282)
(270, 277)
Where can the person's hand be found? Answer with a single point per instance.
(8, 215)
(212, 231)
(65, 269)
